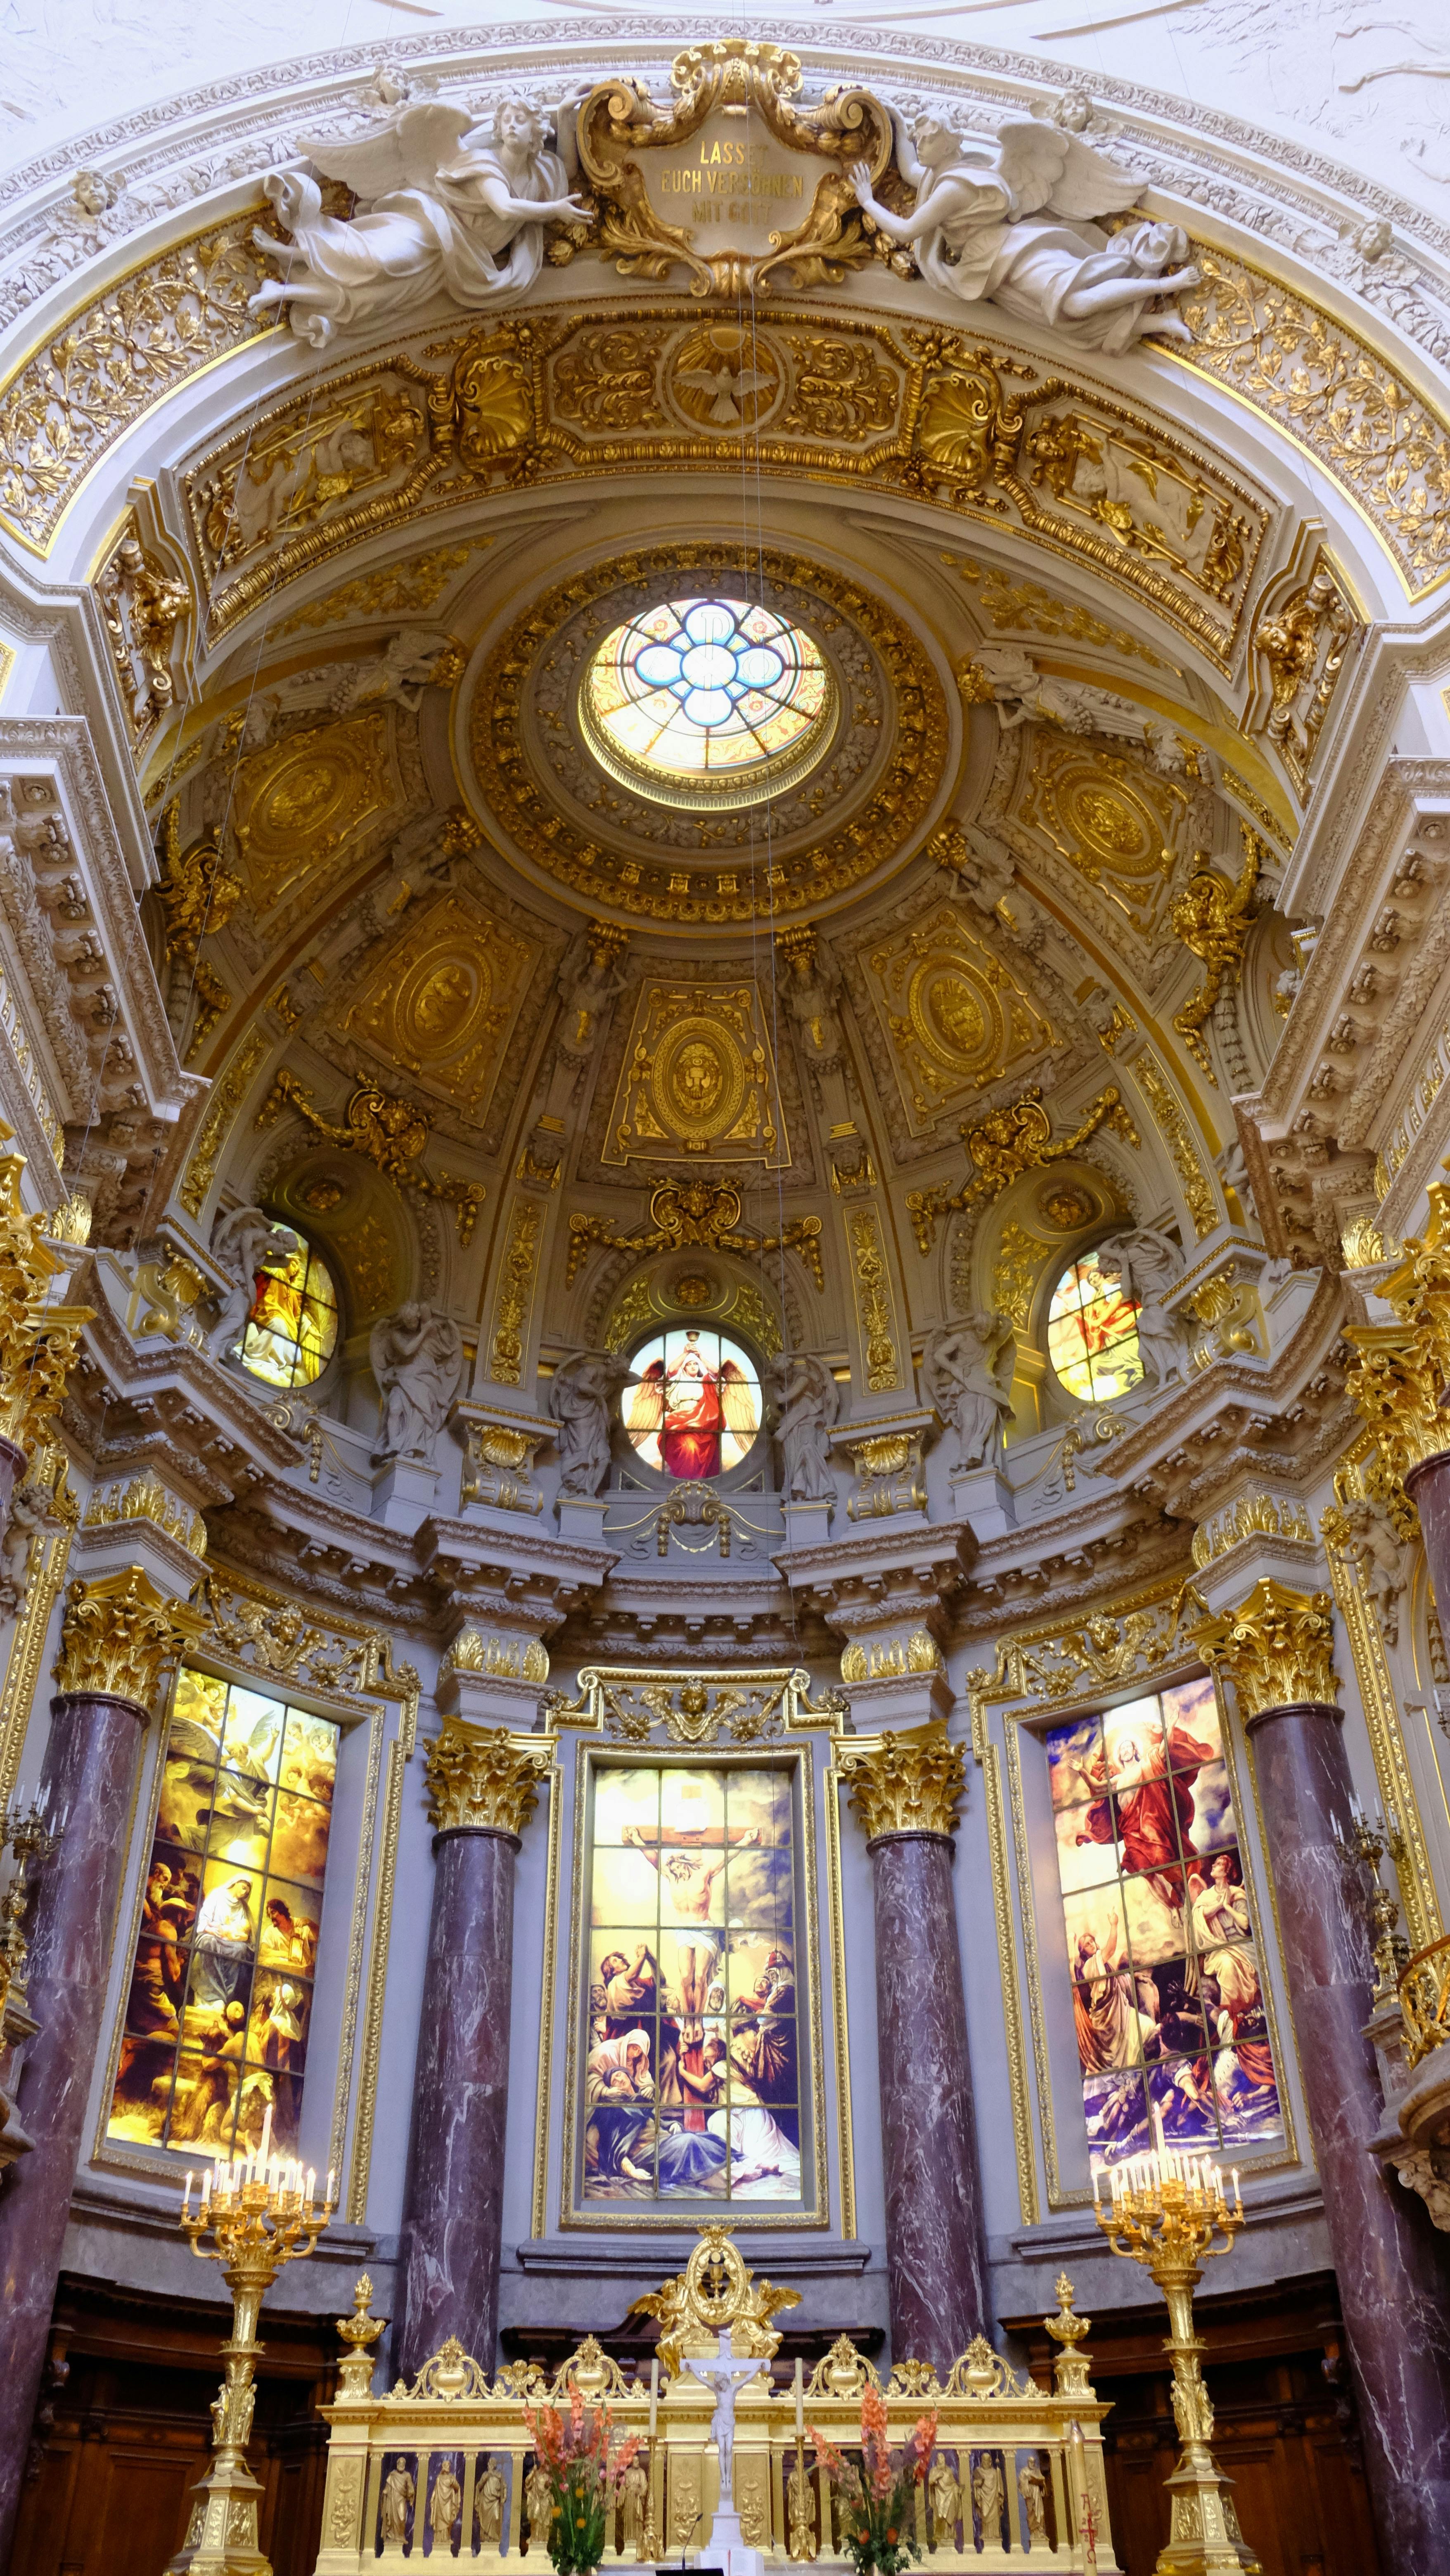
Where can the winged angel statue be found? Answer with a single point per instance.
(1008, 222)
(441, 219)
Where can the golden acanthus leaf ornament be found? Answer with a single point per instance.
(701, 1212)
(37, 1340)
(1402, 1381)
(1008, 1141)
(1212, 917)
(909, 1783)
(116, 1636)
(1277, 1648)
(481, 1776)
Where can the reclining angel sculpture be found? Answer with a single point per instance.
(441, 219)
(1008, 222)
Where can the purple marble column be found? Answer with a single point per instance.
(90, 1775)
(935, 2260)
(448, 2250)
(13, 1463)
(1393, 2267)
(1428, 1487)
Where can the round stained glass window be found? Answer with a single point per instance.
(693, 1407)
(708, 701)
(1092, 1334)
(291, 1331)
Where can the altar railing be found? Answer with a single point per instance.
(443, 2468)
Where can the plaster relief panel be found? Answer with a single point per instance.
(955, 1017)
(698, 1077)
(304, 804)
(442, 1002)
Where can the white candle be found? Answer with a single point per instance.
(800, 2399)
(1234, 2178)
(206, 2183)
(186, 2199)
(1097, 2192)
(266, 2135)
(331, 2177)
(654, 2395)
(311, 2181)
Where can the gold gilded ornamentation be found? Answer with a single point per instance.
(145, 1498)
(1252, 1515)
(69, 402)
(481, 1776)
(737, 166)
(511, 1658)
(442, 1001)
(303, 804)
(143, 605)
(873, 1299)
(1277, 1648)
(1172, 1125)
(1305, 642)
(1010, 602)
(888, 1473)
(53, 1512)
(1227, 1305)
(697, 1076)
(693, 1506)
(394, 590)
(498, 1468)
(956, 1016)
(1020, 1257)
(694, 1708)
(1372, 1507)
(1090, 1655)
(1139, 491)
(1310, 375)
(391, 1132)
(297, 464)
(117, 1634)
(37, 1339)
(198, 891)
(212, 1003)
(906, 1783)
(917, 1653)
(684, 1212)
(514, 1295)
(1425, 2000)
(15, 1031)
(1014, 1139)
(715, 2290)
(1110, 817)
(1403, 1368)
(1212, 917)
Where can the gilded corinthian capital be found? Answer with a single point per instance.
(484, 1777)
(906, 1784)
(1404, 1367)
(116, 1636)
(1277, 1648)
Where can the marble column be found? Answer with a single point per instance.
(1392, 2267)
(1428, 1486)
(116, 1633)
(905, 1790)
(483, 1786)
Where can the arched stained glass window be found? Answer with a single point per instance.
(693, 1408)
(1092, 1334)
(291, 1331)
(713, 693)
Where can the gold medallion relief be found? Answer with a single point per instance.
(697, 1076)
(956, 1017)
(442, 1002)
(1112, 819)
(310, 799)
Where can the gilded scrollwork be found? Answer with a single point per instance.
(301, 805)
(1092, 1654)
(514, 1295)
(1305, 636)
(703, 1212)
(693, 1708)
(440, 1005)
(1009, 1141)
(1212, 916)
(391, 1132)
(875, 1310)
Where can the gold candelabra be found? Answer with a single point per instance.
(1167, 2211)
(260, 2213)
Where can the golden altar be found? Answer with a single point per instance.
(443, 2467)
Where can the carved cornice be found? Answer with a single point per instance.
(482, 1779)
(116, 1636)
(909, 1783)
(1277, 1649)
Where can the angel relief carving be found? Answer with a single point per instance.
(441, 218)
(1008, 220)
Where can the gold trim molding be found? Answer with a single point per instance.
(116, 1636)
(1277, 1649)
(481, 1778)
(1404, 1367)
(906, 1783)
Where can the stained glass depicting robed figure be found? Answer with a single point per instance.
(694, 1409)
(692, 2075)
(1168, 1999)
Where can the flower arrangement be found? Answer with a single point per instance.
(584, 2475)
(877, 2511)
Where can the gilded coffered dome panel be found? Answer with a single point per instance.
(870, 765)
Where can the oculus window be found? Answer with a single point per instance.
(704, 700)
(694, 1407)
(1092, 1334)
(1167, 1990)
(220, 2002)
(291, 1331)
(692, 2073)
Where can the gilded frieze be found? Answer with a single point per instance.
(298, 465)
(1113, 821)
(303, 805)
(408, 589)
(955, 1016)
(698, 1076)
(442, 1003)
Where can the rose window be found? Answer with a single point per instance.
(699, 700)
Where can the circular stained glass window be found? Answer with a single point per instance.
(291, 1331)
(1092, 1334)
(693, 1407)
(708, 701)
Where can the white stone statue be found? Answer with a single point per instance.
(1022, 693)
(1149, 1267)
(1371, 1545)
(805, 1400)
(417, 1359)
(441, 220)
(724, 2375)
(247, 1246)
(808, 989)
(1007, 221)
(959, 1366)
(581, 1392)
(590, 976)
(403, 670)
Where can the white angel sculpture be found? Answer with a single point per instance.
(440, 220)
(1008, 222)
